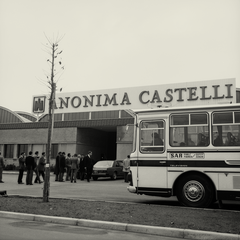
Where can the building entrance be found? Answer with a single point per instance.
(102, 143)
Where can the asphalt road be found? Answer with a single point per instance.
(12, 229)
(103, 189)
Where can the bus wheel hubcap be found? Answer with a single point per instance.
(193, 191)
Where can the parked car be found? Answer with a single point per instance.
(108, 168)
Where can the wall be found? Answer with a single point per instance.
(37, 136)
(37, 141)
(114, 145)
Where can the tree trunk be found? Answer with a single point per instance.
(47, 166)
(46, 187)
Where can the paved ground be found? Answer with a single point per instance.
(84, 190)
(101, 190)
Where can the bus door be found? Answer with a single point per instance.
(152, 157)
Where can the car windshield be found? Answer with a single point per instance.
(104, 164)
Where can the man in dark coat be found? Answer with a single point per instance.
(30, 165)
(88, 163)
(62, 165)
(81, 167)
(36, 160)
(56, 170)
(21, 161)
(41, 165)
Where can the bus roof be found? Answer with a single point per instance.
(172, 109)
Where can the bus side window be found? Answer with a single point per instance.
(189, 130)
(152, 136)
(226, 129)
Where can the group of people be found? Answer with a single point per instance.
(71, 165)
(32, 164)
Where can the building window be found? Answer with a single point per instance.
(188, 130)
(54, 150)
(8, 150)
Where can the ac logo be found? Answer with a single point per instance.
(39, 104)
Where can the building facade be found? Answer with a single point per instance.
(103, 134)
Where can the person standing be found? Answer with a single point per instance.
(78, 171)
(62, 165)
(41, 166)
(21, 161)
(56, 169)
(1, 167)
(126, 167)
(36, 160)
(88, 163)
(81, 167)
(74, 168)
(30, 164)
(68, 167)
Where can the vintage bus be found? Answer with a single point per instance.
(192, 153)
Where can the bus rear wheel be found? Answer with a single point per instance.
(195, 191)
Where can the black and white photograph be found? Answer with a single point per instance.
(119, 119)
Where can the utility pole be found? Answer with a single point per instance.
(52, 86)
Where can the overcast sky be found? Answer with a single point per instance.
(115, 43)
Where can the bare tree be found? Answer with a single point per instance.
(53, 51)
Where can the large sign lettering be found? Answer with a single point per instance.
(181, 94)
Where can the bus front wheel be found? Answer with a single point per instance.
(195, 191)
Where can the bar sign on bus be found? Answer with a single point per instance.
(187, 155)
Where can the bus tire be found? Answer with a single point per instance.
(195, 191)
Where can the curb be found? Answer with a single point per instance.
(160, 231)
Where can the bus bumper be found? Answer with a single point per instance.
(132, 189)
